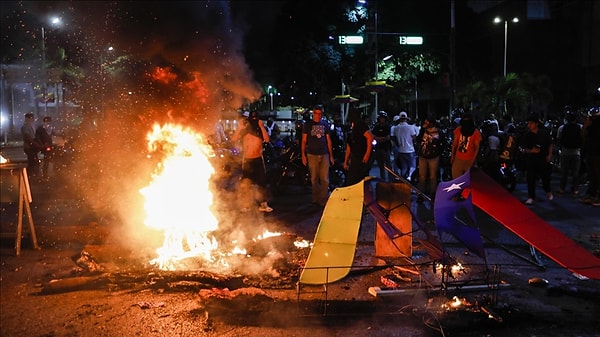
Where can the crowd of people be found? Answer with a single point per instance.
(38, 144)
(435, 149)
(432, 150)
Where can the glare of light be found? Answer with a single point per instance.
(499, 19)
(266, 235)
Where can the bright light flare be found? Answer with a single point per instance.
(178, 198)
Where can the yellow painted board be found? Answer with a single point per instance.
(334, 246)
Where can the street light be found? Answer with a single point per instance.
(102, 77)
(271, 91)
(498, 20)
(55, 21)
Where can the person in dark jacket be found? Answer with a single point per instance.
(358, 150)
(31, 146)
(537, 147)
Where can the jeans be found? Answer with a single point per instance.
(383, 158)
(569, 164)
(538, 169)
(428, 168)
(318, 165)
(407, 163)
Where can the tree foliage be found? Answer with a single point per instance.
(515, 95)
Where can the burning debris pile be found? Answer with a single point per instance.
(101, 268)
(195, 252)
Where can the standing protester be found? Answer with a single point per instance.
(358, 150)
(465, 146)
(430, 144)
(591, 145)
(43, 135)
(490, 163)
(272, 129)
(252, 133)
(537, 146)
(383, 145)
(338, 137)
(317, 153)
(570, 139)
(404, 137)
(395, 121)
(31, 146)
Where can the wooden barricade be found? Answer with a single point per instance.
(14, 187)
(393, 197)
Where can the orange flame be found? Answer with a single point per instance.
(164, 75)
(178, 199)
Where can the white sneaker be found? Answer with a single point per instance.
(550, 196)
(264, 207)
(529, 202)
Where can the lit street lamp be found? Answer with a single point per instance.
(498, 20)
(55, 22)
(271, 96)
(102, 77)
(271, 91)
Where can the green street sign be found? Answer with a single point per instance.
(411, 40)
(350, 39)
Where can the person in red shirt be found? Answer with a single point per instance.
(465, 146)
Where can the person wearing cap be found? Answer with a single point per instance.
(404, 137)
(252, 133)
(537, 147)
(395, 121)
(383, 147)
(317, 153)
(31, 146)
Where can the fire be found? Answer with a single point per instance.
(178, 199)
(3, 160)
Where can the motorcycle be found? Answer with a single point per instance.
(508, 175)
(290, 171)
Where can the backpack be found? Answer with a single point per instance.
(570, 137)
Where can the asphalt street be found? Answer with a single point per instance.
(293, 213)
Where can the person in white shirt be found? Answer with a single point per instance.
(404, 138)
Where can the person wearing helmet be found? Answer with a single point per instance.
(383, 144)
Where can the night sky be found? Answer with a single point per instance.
(248, 36)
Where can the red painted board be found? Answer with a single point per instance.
(496, 201)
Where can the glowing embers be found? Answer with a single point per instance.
(178, 199)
